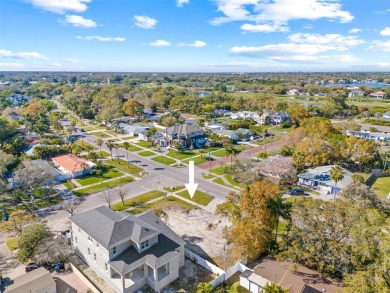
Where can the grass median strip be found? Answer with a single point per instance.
(137, 200)
(163, 160)
(99, 187)
(108, 173)
(174, 188)
(200, 197)
(168, 202)
(146, 153)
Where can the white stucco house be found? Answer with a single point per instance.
(128, 251)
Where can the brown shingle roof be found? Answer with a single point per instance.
(303, 280)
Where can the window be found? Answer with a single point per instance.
(75, 239)
(79, 230)
(106, 267)
(97, 245)
(89, 252)
(114, 250)
(144, 245)
(94, 256)
(89, 239)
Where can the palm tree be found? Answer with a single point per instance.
(337, 174)
(273, 288)
(281, 208)
(99, 142)
(126, 145)
(117, 155)
(231, 151)
(110, 146)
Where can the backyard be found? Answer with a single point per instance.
(383, 186)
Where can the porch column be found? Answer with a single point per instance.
(123, 283)
(155, 274)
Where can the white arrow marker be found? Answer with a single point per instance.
(191, 186)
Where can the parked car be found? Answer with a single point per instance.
(30, 267)
(296, 191)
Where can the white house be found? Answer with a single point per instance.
(320, 178)
(72, 166)
(128, 251)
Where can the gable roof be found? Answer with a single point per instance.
(31, 282)
(71, 162)
(182, 129)
(110, 228)
(303, 280)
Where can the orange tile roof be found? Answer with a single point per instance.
(70, 162)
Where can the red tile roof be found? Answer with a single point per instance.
(71, 163)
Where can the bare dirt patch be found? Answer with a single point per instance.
(202, 230)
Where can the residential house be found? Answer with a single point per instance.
(245, 115)
(376, 136)
(231, 134)
(125, 119)
(134, 130)
(320, 178)
(14, 118)
(378, 95)
(73, 166)
(265, 116)
(213, 125)
(221, 112)
(128, 251)
(292, 92)
(187, 135)
(245, 134)
(279, 117)
(356, 93)
(302, 280)
(37, 281)
(17, 99)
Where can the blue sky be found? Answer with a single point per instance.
(195, 35)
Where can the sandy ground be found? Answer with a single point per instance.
(200, 229)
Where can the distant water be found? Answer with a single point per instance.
(370, 84)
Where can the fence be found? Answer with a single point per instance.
(222, 275)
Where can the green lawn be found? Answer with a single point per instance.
(124, 166)
(69, 185)
(135, 201)
(108, 173)
(207, 150)
(220, 153)
(102, 186)
(208, 175)
(112, 132)
(131, 148)
(180, 156)
(101, 134)
(267, 140)
(169, 202)
(89, 128)
(43, 203)
(197, 160)
(199, 197)
(218, 170)
(84, 145)
(127, 137)
(174, 189)
(241, 147)
(102, 154)
(220, 182)
(163, 160)
(383, 186)
(146, 153)
(232, 181)
(144, 144)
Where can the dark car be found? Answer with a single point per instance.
(296, 191)
(30, 267)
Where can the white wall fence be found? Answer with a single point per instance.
(222, 275)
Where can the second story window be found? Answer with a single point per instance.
(144, 245)
(89, 252)
(97, 245)
(75, 239)
(106, 267)
(94, 256)
(89, 239)
(114, 250)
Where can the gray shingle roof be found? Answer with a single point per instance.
(33, 281)
(109, 228)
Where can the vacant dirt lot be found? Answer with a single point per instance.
(200, 229)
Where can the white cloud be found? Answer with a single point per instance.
(145, 22)
(385, 31)
(55, 64)
(316, 58)
(308, 26)
(71, 60)
(78, 21)
(328, 39)
(264, 28)
(180, 3)
(279, 11)
(160, 43)
(286, 49)
(197, 44)
(11, 65)
(380, 46)
(23, 55)
(355, 30)
(60, 6)
(101, 39)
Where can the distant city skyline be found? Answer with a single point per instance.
(194, 35)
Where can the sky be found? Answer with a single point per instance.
(195, 35)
